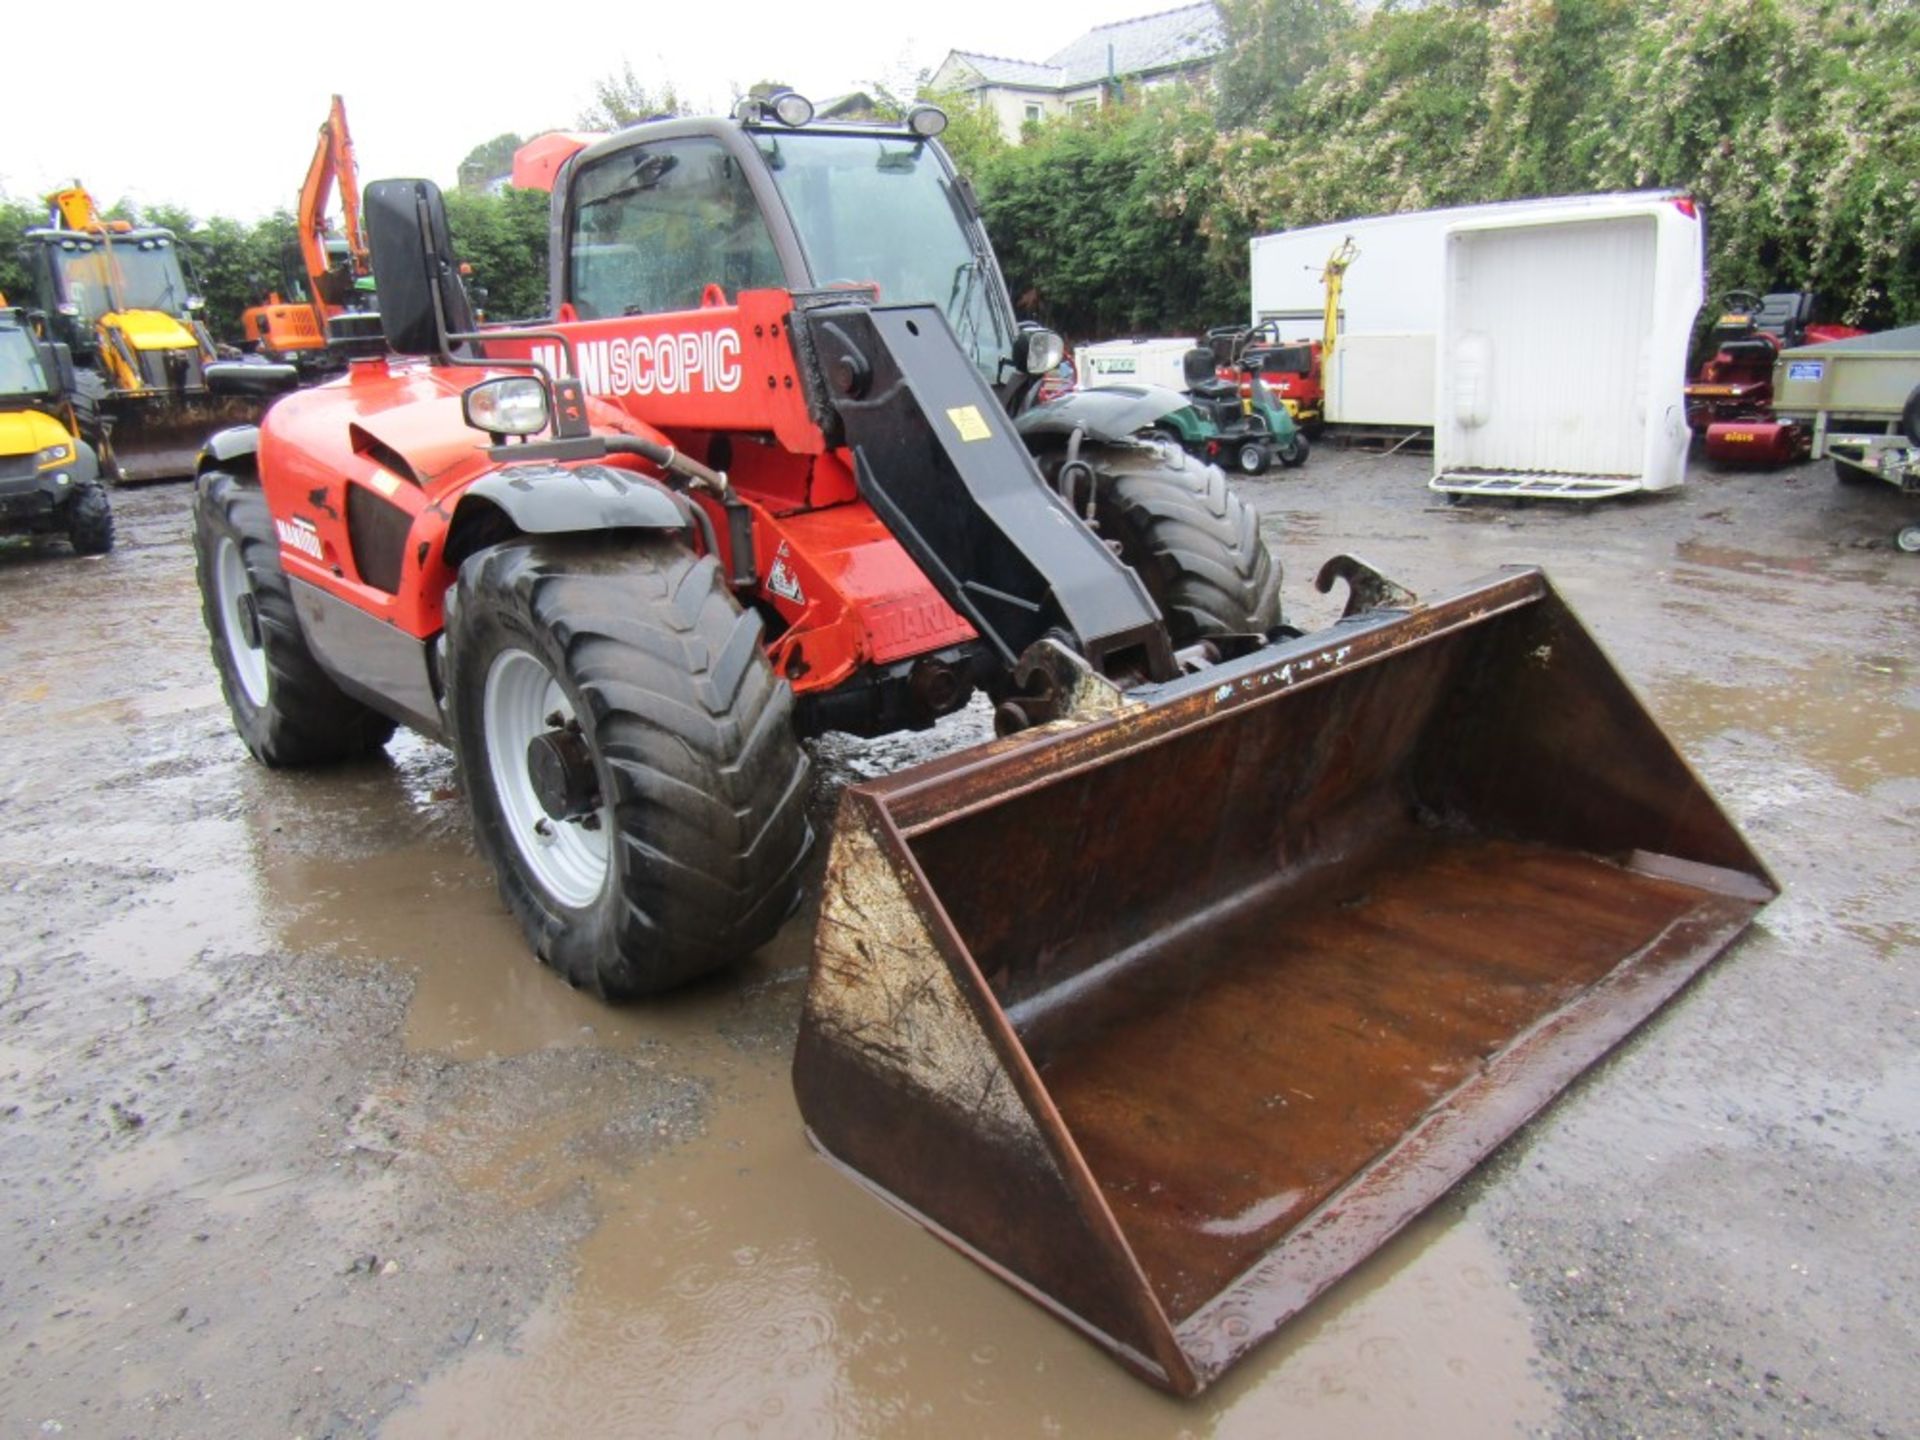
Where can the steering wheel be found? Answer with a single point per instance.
(1742, 300)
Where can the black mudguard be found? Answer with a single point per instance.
(554, 500)
(1110, 414)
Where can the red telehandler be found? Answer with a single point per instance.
(1239, 947)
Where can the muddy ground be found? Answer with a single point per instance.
(295, 1139)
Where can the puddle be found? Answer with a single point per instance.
(733, 1283)
(1855, 717)
(740, 1286)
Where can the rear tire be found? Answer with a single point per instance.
(1908, 539)
(286, 708)
(698, 783)
(90, 519)
(1252, 457)
(1193, 541)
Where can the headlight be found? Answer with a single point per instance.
(514, 405)
(926, 121)
(792, 109)
(1044, 350)
(53, 455)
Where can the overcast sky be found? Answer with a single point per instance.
(222, 100)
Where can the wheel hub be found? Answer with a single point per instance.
(247, 610)
(560, 769)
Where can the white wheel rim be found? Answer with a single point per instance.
(568, 860)
(233, 591)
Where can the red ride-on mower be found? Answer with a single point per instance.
(1730, 401)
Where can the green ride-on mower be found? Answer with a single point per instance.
(1239, 425)
(49, 476)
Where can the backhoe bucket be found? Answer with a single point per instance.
(158, 436)
(1172, 1018)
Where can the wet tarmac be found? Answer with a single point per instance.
(296, 1139)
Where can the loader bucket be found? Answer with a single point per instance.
(1172, 1018)
(158, 437)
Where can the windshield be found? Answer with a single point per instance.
(20, 372)
(131, 274)
(883, 209)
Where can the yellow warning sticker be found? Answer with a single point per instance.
(968, 420)
(387, 485)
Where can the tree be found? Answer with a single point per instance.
(973, 135)
(504, 238)
(488, 161)
(1272, 46)
(16, 218)
(1104, 222)
(622, 100)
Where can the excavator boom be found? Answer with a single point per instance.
(331, 169)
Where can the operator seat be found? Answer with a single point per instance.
(1785, 314)
(1217, 399)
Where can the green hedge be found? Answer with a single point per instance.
(1797, 123)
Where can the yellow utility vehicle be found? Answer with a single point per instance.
(49, 476)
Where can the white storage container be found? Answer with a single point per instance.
(1390, 300)
(1563, 349)
(1133, 362)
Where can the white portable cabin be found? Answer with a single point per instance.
(1562, 349)
(1133, 362)
(1385, 366)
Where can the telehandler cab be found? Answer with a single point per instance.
(1235, 952)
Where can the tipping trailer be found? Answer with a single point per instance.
(1236, 950)
(1860, 399)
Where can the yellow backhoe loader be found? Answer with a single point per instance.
(117, 296)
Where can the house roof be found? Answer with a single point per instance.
(1147, 42)
(999, 70)
(1160, 41)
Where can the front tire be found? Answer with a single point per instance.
(286, 708)
(90, 519)
(1193, 541)
(689, 828)
(1294, 453)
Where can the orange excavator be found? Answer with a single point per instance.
(326, 279)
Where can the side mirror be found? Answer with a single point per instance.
(415, 275)
(244, 377)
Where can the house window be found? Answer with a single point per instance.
(1033, 111)
(1081, 107)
